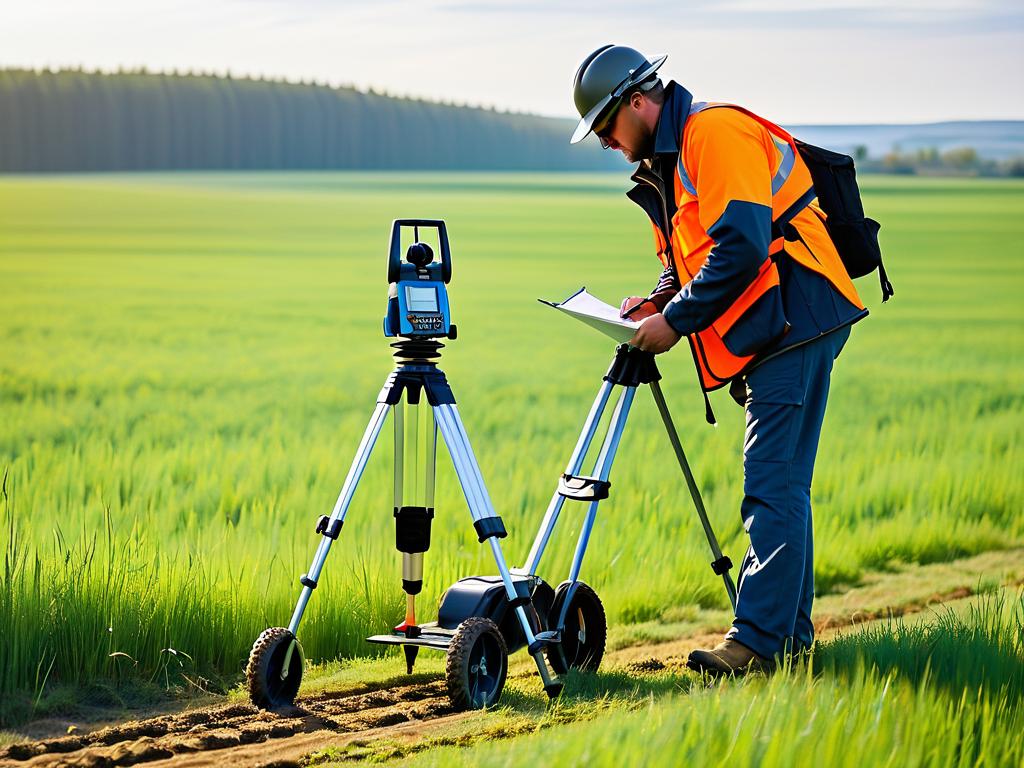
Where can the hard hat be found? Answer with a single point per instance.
(603, 77)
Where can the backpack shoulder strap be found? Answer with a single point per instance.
(784, 141)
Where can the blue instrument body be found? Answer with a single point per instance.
(419, 308)
(418, 292)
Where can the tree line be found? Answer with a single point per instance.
(76, 120)
(930, 161)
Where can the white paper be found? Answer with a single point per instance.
(603, 317)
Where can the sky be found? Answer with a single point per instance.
(795, 61)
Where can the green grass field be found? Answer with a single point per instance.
(187, 362)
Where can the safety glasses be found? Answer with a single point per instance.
(603, 132)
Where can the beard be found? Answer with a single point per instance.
(646, 149)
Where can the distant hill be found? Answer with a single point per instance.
(991, 139)
(74, 120)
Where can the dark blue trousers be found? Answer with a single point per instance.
(785, 406)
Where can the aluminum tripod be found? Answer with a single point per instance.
(417, 374)
(630, 368)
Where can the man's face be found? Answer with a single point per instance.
(630, 129)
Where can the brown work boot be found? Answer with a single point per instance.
(728, 658)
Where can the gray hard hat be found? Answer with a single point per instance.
(603, 77)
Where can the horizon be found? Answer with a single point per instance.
(795, 61)
(298, 81)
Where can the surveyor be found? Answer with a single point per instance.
(752, 280)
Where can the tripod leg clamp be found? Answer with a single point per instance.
(523, 594)
(486, 527)
(721, 565)
(583, 488)
(412, 529)
(331, 530)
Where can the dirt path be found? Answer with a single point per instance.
(239, 734)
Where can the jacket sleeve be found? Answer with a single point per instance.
(728, 157)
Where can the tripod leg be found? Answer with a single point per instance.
(399, 469)
(602, 468)
(488, 526)
(415, 436)
(547, 525)
(721, 564)
(416, 560)
(332, 527)
(466, 468)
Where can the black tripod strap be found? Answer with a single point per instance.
(709, 414)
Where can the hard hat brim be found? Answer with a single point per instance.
(586, 123)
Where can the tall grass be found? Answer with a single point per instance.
(948, 693)
(187, 362)
(979, 649)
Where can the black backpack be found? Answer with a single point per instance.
(854, 235)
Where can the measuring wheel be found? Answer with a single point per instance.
(584, 633)
(274, 670)
(477, 664)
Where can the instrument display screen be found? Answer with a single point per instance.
(421, 299)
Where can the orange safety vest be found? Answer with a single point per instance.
(792, 203)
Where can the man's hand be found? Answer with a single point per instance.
(644, 308)
(655, 335)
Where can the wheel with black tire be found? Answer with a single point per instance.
(584, 633)
(477, 664)
(274, 670)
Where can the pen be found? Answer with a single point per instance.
(634, 308)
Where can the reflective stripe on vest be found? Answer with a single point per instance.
(786, 166)
(786, 147)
